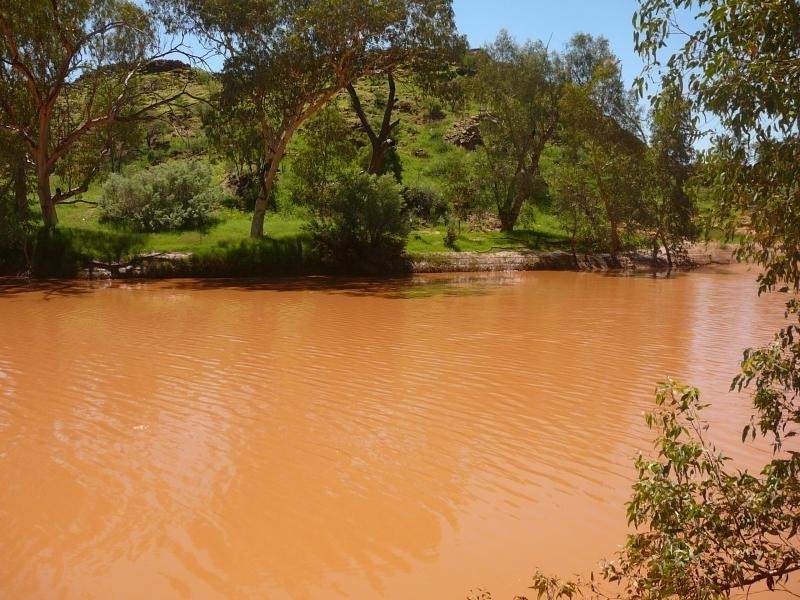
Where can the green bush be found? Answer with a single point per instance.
(63, 252)
(426, 205)
(171, 196)
(55, 254)
(365, 226)
(434, 109)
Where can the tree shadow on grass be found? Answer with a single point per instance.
(535, 240)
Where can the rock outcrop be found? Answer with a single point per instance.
(466, 133)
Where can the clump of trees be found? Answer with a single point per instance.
(613, 186)
(78, 99)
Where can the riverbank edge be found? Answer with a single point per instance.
(698, 255)
(175, 264)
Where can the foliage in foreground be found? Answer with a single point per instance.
(704, 527)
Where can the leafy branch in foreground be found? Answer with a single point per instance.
(703, 528)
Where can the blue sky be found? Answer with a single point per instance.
(554, 20)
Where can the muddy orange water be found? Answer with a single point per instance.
(316, 439)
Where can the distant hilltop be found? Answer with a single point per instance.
(163, 65)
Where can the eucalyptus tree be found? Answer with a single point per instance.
(667, 211)
(569, 186)
(600, 122)
(519, 88)
(69, 68)
(288, 58)
(740, 63)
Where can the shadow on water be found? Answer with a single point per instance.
(52, 288)
(397, 288)
(647, 273)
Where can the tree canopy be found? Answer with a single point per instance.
(287, 59)
(69, 68)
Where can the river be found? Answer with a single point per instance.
(317, 438)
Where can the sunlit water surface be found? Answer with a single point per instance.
(323, 439)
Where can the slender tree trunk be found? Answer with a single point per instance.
(20, 186)
(512, 216)
(515, 198)
(615, 243)
(614, 236)
(262, 203)
(43, 169)
(669, 253)
(21, 200)
(49, 215)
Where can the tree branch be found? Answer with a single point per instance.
(16, 63)
(359, 109)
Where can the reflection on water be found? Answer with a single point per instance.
(323, 438)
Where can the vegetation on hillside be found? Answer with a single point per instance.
(511, 146)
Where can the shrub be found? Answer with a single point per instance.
(425, 205)
(176, 195)
(55, 254)
(63, 252)
(434, 109)
(365, 226)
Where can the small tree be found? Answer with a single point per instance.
(325, 158)
(573, 199)
(601, 125)
(462, 186)
(519, 88)
(667, 211)
(234, 135)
